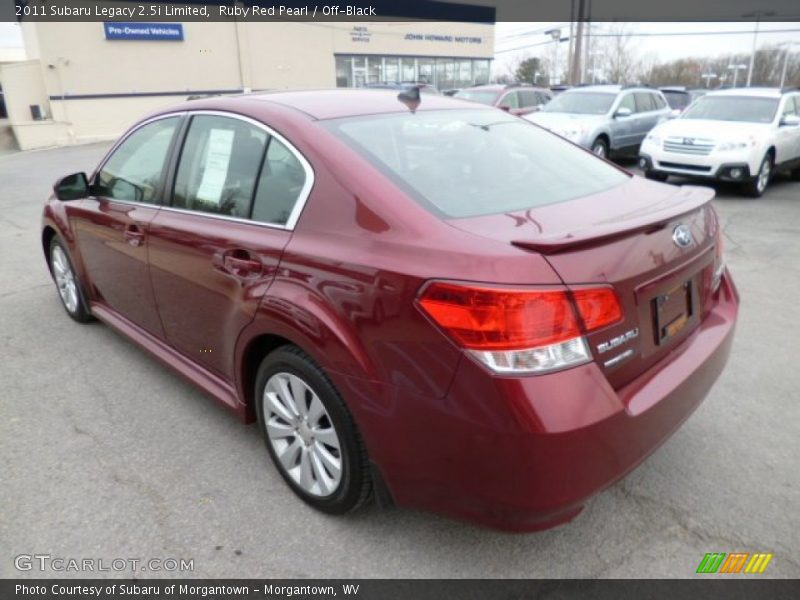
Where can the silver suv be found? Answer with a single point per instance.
(609, 119)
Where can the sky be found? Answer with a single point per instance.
(650, 39)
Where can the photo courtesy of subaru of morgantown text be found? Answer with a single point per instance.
(374, 274)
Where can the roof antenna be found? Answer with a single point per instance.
(410, 97)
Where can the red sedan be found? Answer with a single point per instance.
(430, 302)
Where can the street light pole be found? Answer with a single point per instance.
(735, 68)
(757, 14)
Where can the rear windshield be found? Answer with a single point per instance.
(733, 108)
(679, 100)
(584, 103)
(485, 97)
(465, 163)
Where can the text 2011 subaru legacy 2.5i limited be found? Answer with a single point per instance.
(433, 302)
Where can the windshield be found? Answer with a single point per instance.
(465, 163)
(484, 97)
(584, 103)
(733, 108)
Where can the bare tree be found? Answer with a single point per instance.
(617, 57)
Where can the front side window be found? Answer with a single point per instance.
(790, 107)
(644, 102)
(133, 172)
(745, 109)
(628, 102)
(464, 163)
(584, 103)
(219, 166)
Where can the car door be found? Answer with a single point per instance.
(787, 137)
(238, 188)
(112, 225)
(647, 115)
(623, 131)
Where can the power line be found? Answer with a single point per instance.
(664, 34)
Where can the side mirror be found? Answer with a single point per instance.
(790, 121)
(675, 113)
(623, 111)
(505, 107)
(72, 187)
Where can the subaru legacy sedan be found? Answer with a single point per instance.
(421, 300)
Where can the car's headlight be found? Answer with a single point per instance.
(728, 146)
(653, 138)
(574, 133)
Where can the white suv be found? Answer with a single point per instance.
(740, 134)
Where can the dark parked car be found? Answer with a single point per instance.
(515, 98)
(432, 302)
(3, 112)
(679, 97)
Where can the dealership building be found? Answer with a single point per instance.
(89, 81)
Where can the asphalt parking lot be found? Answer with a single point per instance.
(107, 454)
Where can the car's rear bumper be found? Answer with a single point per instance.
(525, 453)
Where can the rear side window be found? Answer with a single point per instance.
(281, 183)
(133, 172)
(678, 100)
(219, 166)
(511, 100)
(528, 98)
(464, 163)
(658, 101)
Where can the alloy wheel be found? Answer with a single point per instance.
(763, 175)
(302, 434)
(65, 279)
(599, 149)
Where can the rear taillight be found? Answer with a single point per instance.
(719, 260)
(515, 330)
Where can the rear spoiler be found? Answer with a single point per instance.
(686, 200)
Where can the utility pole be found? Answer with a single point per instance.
(576, 56)
(757, 14)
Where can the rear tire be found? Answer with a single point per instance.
(69, 287)
(310, 433)
(756, 187)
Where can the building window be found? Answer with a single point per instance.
(444, 73)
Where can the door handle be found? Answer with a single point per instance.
(239, 263)
(242, 266)
(133, 235)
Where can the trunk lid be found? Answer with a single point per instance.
(624, 237)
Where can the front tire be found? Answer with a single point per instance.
(310, 433)
(656, 175)
(756, 187)
(69, 286)
(600, 148)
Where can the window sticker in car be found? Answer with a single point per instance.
(218, 158)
